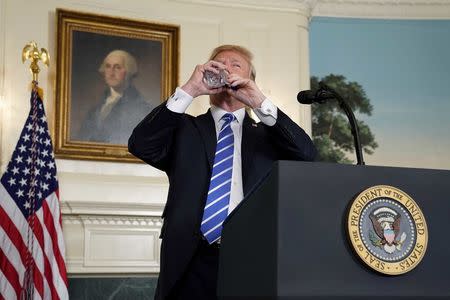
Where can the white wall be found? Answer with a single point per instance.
(109, 206)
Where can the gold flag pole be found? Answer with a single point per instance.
(31, 52)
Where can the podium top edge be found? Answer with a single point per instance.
(283, 163)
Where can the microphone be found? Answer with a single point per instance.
(325, 93)
(319, 96)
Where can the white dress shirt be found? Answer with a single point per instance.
(110, 102)
(180, 101)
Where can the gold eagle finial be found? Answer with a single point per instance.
(31, 52)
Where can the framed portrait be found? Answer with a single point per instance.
(111, 72)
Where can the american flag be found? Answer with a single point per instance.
(31, 240)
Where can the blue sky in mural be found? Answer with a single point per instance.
(404, 67)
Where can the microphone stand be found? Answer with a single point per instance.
(351, 119)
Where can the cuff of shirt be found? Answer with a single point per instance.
(267, 113)
(179, 101)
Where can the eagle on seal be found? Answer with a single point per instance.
(386, 223)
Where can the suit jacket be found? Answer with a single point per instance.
(183, 146)
(117, 126)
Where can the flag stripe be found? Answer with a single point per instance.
(53, 235)
(37, 296)
(6, 290)
(11, 209)
(9, 248)
(15, 237)
(10, 256)
(40, 262)
(55, 230)
(48, 270)
(8, 269)
(32, 247)
(53, 204)
(53, 253)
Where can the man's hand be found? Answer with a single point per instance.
(245, 90)
(196, 86)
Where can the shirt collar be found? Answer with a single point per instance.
(218, 112)
(114, 93)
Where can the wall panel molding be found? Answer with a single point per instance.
(108, 246)
(112, 244)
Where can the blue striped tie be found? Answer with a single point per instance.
(217, 202)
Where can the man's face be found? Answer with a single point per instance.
(235, 63)
(115, 72)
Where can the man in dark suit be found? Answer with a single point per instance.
(122, 105)
(191, 152)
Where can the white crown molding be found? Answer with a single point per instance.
(386, 9)
(110, 209)
(109, 220)
(122, 221)
(388, 2)
(289, 6)
(383, 9)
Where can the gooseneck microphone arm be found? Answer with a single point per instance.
(325, 93)
(351, 118)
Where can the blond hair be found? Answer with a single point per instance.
(239, 49)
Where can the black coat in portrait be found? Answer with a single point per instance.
(118, 125)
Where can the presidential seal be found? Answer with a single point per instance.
(387, 230)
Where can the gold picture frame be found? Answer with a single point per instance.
(110, 73)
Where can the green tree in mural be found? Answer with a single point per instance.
(330, 127)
